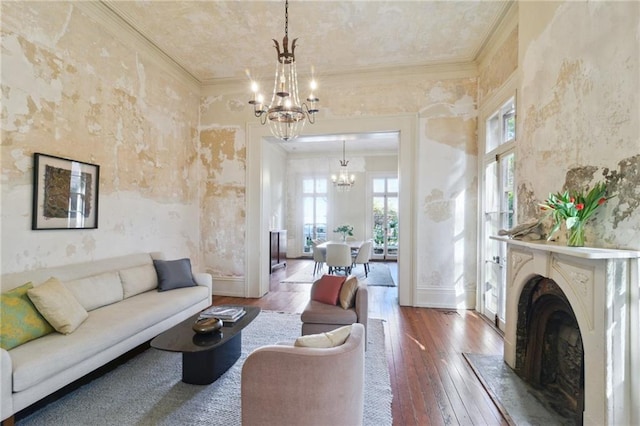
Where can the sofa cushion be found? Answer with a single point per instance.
(327, 289)
(138, 279)
(348, 292)
(321, 313)
(97, 290)
(106, 327)
(20, 321)
(58, 306)
(174, 274)
(329, 339)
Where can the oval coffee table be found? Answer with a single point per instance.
(205, 357)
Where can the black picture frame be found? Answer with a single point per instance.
(65, 193)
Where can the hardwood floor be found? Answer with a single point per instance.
(432, 383)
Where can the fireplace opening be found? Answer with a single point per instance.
(549, 350)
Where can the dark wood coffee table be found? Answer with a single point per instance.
(205, 357)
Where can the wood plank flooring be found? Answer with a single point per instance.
(432, 383)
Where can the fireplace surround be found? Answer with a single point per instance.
(599, 291)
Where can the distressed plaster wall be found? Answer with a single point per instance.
(498, 67)
(71, 88)
(579, 111)
(445, 184)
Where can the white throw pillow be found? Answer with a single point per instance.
(58, 306)
(138, 279)
(330, 339)
(97, 290)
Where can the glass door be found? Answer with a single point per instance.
(499, 214)
(385, 218)
(498, 209)
(314, 211)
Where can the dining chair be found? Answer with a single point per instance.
(319, 257)
(339, 258)
(363, 256)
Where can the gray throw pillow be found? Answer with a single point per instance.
(174, 274)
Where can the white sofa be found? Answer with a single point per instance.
(39, 367)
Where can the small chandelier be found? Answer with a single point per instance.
(285, 114)
(343, 181)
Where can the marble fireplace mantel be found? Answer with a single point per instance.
(603, 288)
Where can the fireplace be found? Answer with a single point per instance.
(573, 328)
(549, 349)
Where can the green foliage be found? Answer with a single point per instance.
(344, 230)
(574, 207)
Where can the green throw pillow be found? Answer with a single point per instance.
(20, 321)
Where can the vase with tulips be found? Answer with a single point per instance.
(574, 208)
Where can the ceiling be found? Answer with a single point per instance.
(226, 41)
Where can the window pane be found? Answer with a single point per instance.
(321, 186)
(307, 209)
(510, 126)
(493, 133)
(392, 185)
(321, 210)
(307, 186)
(379, 185)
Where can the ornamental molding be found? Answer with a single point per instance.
(517, 261)
(579, 283)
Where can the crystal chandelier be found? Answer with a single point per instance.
(285, 114)
(343, 181)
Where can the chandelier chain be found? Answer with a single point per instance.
(286, 18)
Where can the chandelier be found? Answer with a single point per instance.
(285, 114)
(343, 181)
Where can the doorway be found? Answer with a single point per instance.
(256, 280)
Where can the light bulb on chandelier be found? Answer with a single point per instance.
(285, 114)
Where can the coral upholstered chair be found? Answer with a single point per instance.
(289, 385)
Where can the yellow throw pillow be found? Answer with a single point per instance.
(20, 321)
(330, 339)
(56, 303)
(348, 292)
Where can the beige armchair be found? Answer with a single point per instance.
(319, 317)
(287, 385)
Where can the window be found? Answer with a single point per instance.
(385, 217)
(314, 211)
(498, 207)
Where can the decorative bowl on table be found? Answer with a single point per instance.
(207, 325)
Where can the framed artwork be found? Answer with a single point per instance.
(65, 193)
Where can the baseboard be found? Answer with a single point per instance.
(447, 298)
(229, 286)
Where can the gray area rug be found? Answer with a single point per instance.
(379, 275)
(518, 402)
(147, 390)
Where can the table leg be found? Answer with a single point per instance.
(203, 368)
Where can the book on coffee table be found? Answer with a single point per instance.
(225, 313)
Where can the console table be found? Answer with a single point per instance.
(277, 249)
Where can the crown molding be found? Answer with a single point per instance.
(503, 27)
(440, 71)
(107, 16)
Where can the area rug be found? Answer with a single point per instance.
(379, 275)
(147, 390)
(519, 403)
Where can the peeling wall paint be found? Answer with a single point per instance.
(447, 149)
(71, 89)
(498, 67)
(578, 123)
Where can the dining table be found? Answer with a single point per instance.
(353, 245)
